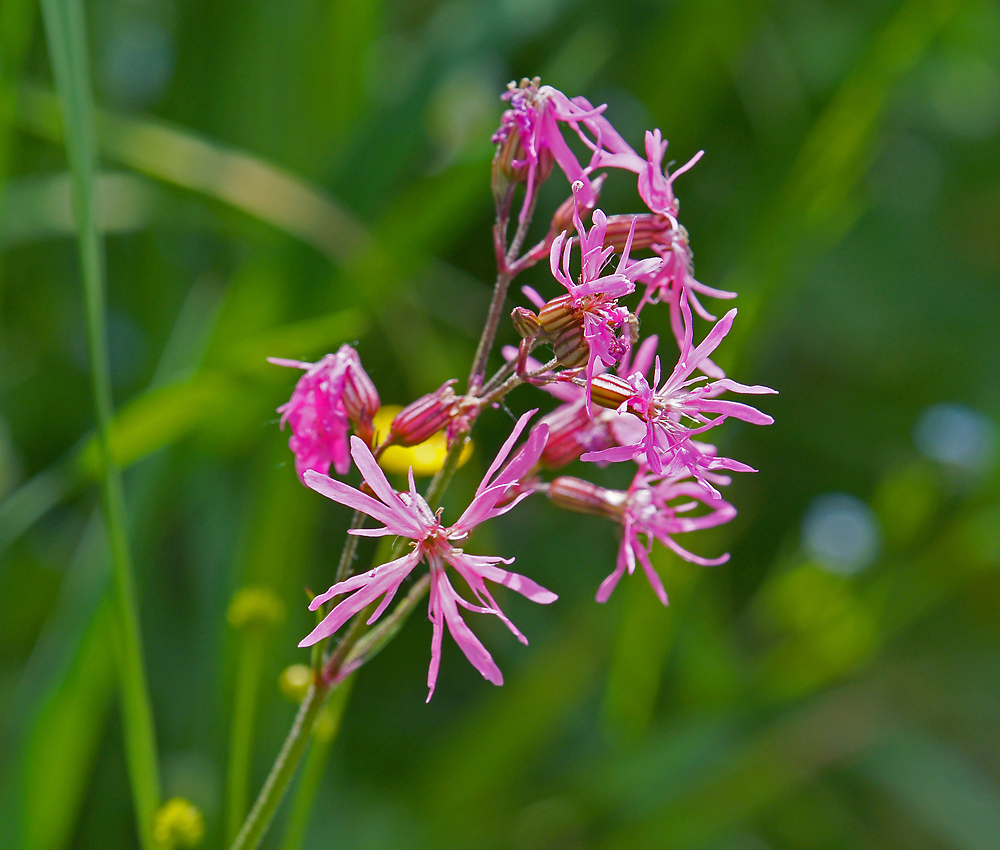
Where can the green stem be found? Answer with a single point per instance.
(66, 34)
(251, 657)
(327, 727)
(439, 483)
(283, 769)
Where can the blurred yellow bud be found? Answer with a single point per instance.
(178, 824)
(255, 608)
(294, 681)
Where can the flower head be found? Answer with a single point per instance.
(656, 188)
(677, 411)
(650, 509)
(407, 514)
(332, 394)
(606, 326)
(531, 127)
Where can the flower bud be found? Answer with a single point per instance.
(255, 609)
(571, 433)
(360, 399)
(525, 322)
(424, 417)
(575, 494)
(610, 391)
(178, 823)
(295, 680)
(559, 314)
(570, 348)
(649, 230)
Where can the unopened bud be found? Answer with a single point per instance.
(178, 824)
(294, 681)
(360, 399)
(525, 322)
(255, 609)
(571, 433)
(570, 348)
(559, 314)
(424, 417)
(610, 391)
(649, 230)
(575, 494)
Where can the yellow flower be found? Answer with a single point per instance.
(426, 458)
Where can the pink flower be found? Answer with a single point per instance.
(407, 514)
(534, 116)
(681, 409)
(674, 278)
(595, 295)
(647, 512)
(656, 188)
(332, 394)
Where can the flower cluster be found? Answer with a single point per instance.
(616, 406)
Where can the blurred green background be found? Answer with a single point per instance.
(278, 178)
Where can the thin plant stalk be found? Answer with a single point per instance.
(66, 35)
(283, 770)
(324, 735)
(505, 274)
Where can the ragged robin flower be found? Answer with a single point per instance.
(333, 394)
(591, 303)
(407, 514)
(674, 413)
(654, 508)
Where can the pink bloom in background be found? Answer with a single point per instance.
(407, 514)
(647, 512)
(333, 393)
(674, 278)
(681, 409)
(604, 322)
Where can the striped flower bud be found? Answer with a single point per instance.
(570, 348)
(571, 433)
(424, 417)
(559, 314)
(575, 494)
(649, 230)
(525, 322)
(610, 391)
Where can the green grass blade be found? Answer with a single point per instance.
(66, 35)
